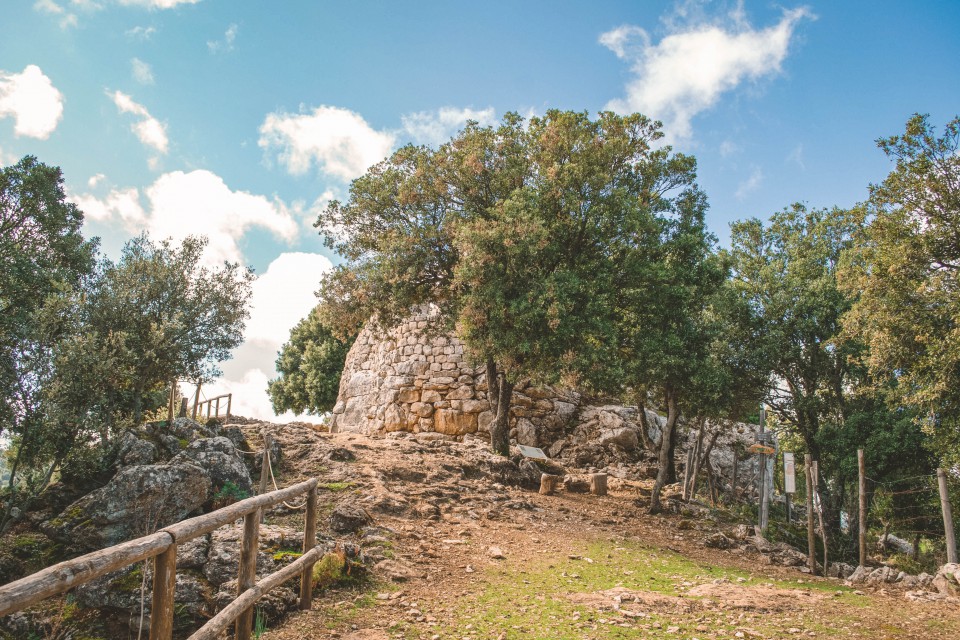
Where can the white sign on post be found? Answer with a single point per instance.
(789, 473)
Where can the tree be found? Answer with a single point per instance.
(508, 232)
(43, 259)
(156, 315)
(904, 271)
(668, 331)
(310, 366)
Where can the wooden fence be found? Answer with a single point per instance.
(213, 406)
(163, 544)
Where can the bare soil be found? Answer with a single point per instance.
(474, 558)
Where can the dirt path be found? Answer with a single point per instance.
(472, 558)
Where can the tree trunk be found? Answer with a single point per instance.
(648, 443)
(500, 428)
(673, 413)
(672, 456)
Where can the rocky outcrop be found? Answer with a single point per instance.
(166, 472)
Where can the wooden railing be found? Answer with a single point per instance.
(213, 404)
(163, 546)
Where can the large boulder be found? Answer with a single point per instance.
(138, 500)
(219, 458)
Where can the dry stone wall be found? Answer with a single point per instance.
(406, 380)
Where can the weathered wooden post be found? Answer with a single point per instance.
(183, 408)
(229, 404)
(548, 483)
(216, 414)
(164, 585)
(173, 384)
(196, 402)
(598, 484)
(247, 575)
(686, 474)
(265, 468)
(947, 516)
(811, 537)
(862, 470)
(309, 542)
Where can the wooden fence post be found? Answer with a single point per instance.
(229, 403)
(173, 384)
(247, 575)
(862, 468)
(309, 542)
(548, 483)
(811, 538)
(164, 585)
(947, 516)
(196, 401)
(265, 467)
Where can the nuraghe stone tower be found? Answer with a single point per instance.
(407, 381)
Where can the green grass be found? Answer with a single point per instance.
(335, 486)
(530, 601)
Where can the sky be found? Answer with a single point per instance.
(241, 120)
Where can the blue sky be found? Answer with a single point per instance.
(240, 119)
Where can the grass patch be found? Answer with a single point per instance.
(530, 601)
(335, 486)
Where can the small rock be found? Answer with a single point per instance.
(496, 553)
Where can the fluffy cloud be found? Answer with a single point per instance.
(695, 63)
(142, 72)
(338, 141)
(194, 203)
(140, 33)
(225, 45)
(30, 98)
(436, 127)
(148, 129)
(282, 296)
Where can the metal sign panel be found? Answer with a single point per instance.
(789, 473)
(532, 452)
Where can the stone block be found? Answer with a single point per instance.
(455, 423)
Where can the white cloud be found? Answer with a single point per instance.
(282, 296)
(436, 127)
(751, 184)
(338, 141)
(225, 45)
(67, 19)
(142, 72)
(178, 204)
(148, 129)
(140, 33)
(31, 99)
(156, 4)
(688, 70)
(7, 159)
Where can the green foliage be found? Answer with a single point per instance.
(904, 273)
(230, 493)
(44, 260)
(329, 570)
(310, 365)
(514, 234)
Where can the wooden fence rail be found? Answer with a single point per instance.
(163, 544)
(213, 406)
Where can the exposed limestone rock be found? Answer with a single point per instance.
(138, 499)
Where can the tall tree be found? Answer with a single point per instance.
(669, 283)
(43, 260)
(787, 271)
(507, 231)
(904, 271)
(310, 366)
